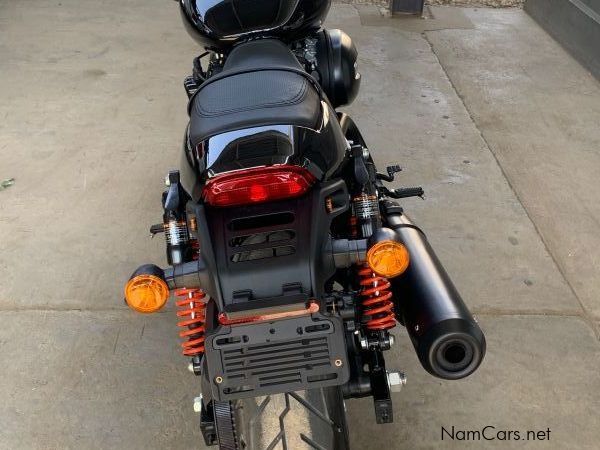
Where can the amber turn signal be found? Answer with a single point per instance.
(388, 258)
(146, 293)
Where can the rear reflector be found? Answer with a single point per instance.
(257, 185)
(312, 308)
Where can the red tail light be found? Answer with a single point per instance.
(257, 185)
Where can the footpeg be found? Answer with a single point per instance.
(409, 192)
(191, 86)
(404, 192)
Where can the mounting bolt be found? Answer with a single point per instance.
(392, 339)
(198, 404)
(364, 343)
(218, 380)
(338, 363)
(167, 181)
(191, 367)
(396, 380)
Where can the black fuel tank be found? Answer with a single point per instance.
(217, 24)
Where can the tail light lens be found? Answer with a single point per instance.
(258, 185)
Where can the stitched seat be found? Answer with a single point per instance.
(261, 84)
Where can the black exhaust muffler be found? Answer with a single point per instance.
(446, 337)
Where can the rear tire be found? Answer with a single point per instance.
(313, 419)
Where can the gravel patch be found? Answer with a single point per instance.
(487, 3)
(364, 2)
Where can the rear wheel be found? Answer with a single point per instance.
(313, 419)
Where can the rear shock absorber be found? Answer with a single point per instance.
(366, 217)
(377, 305)
(181, 247)
(192, 307)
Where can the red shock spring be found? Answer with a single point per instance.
(192, 306)
(377, 300)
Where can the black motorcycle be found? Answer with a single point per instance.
(288, 256)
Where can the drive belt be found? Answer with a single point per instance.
(225, 423)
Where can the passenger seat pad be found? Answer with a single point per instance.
(252, 91)
(254, 99)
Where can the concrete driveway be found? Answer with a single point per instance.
(480, 106)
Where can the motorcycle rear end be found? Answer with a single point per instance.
(289, 257)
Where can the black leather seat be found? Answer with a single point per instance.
(261, 84)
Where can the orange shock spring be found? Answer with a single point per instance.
(377, 300)
(192, 306)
